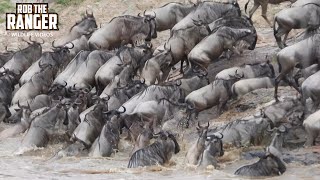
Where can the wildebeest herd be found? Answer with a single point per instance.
(99, 84)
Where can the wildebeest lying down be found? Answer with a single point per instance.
(158, 153)
(312, 126)
(305, 16)
(122, 30)
(255, 70)
(211, 47)
(245, 86)
(268, 165)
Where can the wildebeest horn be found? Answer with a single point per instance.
(107, 97)
(19, 104)
(155, 15)
(269, 129)
(28, 105)
(42, 41)
(143, 81)
(198, 125)
(26, 41)
(207, 125)
(218, 135)
(144, 12)
(65, 83)
(71, 44)
(139, 15)
(52, 44)
(178, 83)
(124, 110)
(282, 128)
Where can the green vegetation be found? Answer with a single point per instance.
(5, 7)
(69, 2)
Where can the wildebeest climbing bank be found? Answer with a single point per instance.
(163, 89)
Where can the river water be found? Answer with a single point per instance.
(39, 165)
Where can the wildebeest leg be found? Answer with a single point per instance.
(276, 84)
(254, 8)
(264, 13)
(222, 106)
(285, 38)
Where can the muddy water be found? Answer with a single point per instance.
(38, 165)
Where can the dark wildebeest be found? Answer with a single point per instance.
(23, 59)
(211, 47)
(4, 111)
(213, 149)
(142, 140)
(5, 56)
(291, 56)
(38, 84)
(264, 6)
(83, 27)
(195, 151)
(7, 82)
(312, 127)
(248, 71)
(268, 165)
(170, 14)
(57, 58)
(208, 12)
(158, 153)
(42, 127)
(107, 142)
(306, 16)
(122, 30)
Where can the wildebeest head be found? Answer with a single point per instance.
(87, 23)
(202, 130)
(169, 141)
(150, 19)
(233, 9)
(263, 69)
(215, 144)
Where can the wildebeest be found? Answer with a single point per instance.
(71, 68)
(142, 140)
(83, 76)
(213, 149)
(302, 74)
(122, 30)
(108, 140)
(134, 57)
(42, 127)
(291, 56)
(264, 69)
(208, 12)
(306, 16)
(310, 88)
(56, 58)
(211, 47)
(38, 84)
(23, 59)
(155, 92)
(244, 132)
(195, 151)
(158, 153)
(216, 93)
(7, 82)
(4, 111)
(312, 127)
(268, 165)
(170, 14)
(279, 112)
(82, 27)
(5, 56)
(264, 6)
(245, 86)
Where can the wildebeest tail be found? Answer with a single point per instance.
(279, 64)
(233, 92)
(246, 6)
